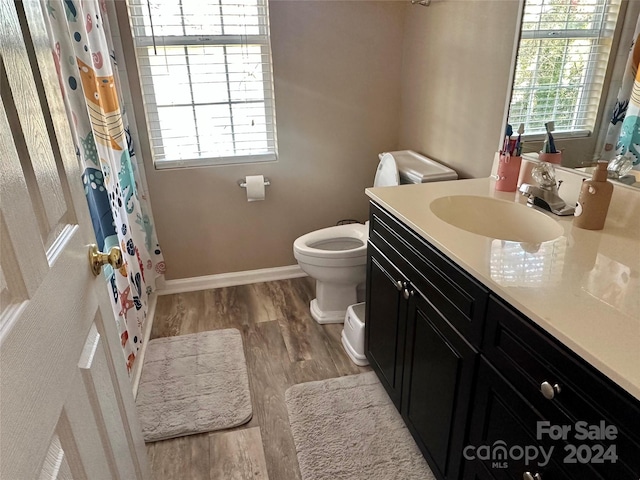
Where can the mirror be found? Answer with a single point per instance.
(580, 151)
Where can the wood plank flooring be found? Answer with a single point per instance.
(238, 455)
(283, 346)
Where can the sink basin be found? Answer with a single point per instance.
(495, 218)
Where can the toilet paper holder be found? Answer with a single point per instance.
(243, 184)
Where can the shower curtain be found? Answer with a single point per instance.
(623, 133)
(87, 72)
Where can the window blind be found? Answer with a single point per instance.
(561, 64)
(205, 70)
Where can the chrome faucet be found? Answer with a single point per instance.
(545, 195)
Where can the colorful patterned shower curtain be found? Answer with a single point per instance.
(84, 59)
(623, 134)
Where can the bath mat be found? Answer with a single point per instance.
(192, 384)
(347, 428)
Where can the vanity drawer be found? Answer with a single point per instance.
(501, 416)
(526, 356)
(460, 299)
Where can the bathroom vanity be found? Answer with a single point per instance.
(477, 344)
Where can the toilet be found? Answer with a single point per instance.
(336, 257)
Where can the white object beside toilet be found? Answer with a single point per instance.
(336, 257)
(353, 334)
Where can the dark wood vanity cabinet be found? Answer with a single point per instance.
(437, 380)
(422, 360)
(549, 383)
(384, 340)
(465, 369)
(502, 417)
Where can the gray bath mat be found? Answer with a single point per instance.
(347, 428)
(193, 383)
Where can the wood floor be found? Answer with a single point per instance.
(283, 346)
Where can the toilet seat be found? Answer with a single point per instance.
(342, 245)
(387, 174)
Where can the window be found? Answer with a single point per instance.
(562, 60)
(205, 69)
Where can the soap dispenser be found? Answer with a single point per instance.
(594, 199)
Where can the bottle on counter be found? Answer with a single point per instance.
(594, 200)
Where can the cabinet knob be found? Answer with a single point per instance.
(529, 476)
(399, 285)
(406, 294)
(549, 391)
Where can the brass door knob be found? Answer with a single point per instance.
(97, 259)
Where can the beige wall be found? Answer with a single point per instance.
(352, 78)
(456, 71)
(337, 87)
(457, 61)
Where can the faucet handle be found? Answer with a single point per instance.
(544, 174)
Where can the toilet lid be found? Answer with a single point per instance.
(387, 172)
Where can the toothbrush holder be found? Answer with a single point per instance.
(508, 171)
(555, 158)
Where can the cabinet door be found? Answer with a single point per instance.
(501, 417)
(438, 377)
(526, 357)
(385, 322)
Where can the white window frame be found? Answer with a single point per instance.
(604, 61)
(156, 144)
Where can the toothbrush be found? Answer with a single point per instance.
(549, 144)
(507, 140)
(519, 142)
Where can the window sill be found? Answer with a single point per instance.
(534, 137)
(213, 162)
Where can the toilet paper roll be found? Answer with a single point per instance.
(255, 187)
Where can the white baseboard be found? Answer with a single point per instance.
(136, 373)
(230, 279)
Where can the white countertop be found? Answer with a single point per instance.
(583, 287)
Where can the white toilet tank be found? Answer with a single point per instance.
(415, 168)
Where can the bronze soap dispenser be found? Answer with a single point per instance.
(594, 200)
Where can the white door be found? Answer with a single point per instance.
(66, 405)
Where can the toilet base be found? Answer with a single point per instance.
(333, 299)
(323, 317)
